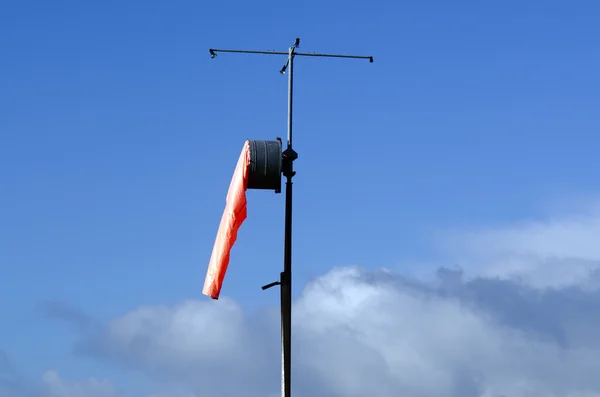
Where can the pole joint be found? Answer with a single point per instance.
(283, 280)
(287, 166)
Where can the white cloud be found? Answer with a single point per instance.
(54, 386)
(492, 331)
(371, 333)
(559, 251)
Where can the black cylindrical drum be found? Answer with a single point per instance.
(265, 165)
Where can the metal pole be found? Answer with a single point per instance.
(290, 67)
(289, 155)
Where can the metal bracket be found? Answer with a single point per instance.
(288, 157)
(264, 287)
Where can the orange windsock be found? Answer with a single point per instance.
(233, 216)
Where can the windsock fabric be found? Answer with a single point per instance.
(233, 217)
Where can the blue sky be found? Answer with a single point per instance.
(119, 135)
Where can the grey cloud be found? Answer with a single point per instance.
(7, 370)
(66, 312)
(14, 384)
(11, 382)
(54, 386)
(568, 316)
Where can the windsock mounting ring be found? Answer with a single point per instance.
(265, 165)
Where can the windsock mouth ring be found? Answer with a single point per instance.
(265, 165)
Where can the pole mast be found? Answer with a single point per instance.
(288, 157)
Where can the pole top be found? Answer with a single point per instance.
(213, 53)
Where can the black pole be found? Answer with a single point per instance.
(288, 157)
(286, 294)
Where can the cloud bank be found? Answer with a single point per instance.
(360, 332)
(51, 385)
(524, 322)
(556, 252)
